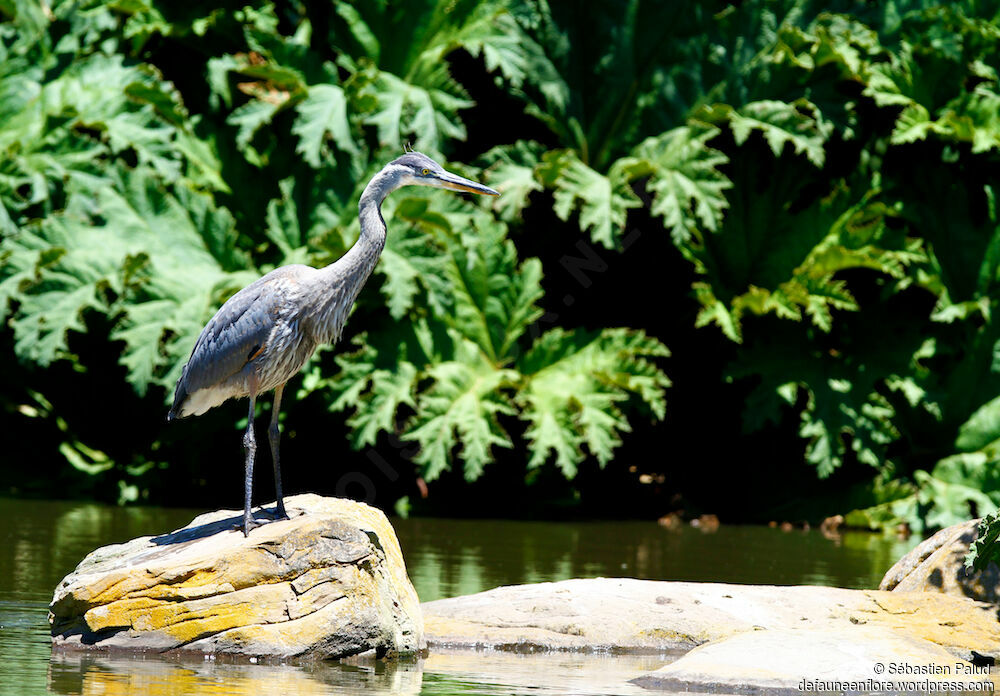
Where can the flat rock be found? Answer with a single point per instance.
(644, 616)
(329, 582)
(938, 565)
(862, 659)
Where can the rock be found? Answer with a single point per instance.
(625, 615)
(330, 582)
(792, 661)
(706, 523)
(830, 526)
(938, 565)
(671, 521)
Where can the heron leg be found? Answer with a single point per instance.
(250, 445)
(274, 435)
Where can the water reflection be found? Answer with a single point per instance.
(447, 558)
(439, 673)
(92, 675)
(541, 675)
(45, 541)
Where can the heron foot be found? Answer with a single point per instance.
(253, 521)
(274, 514)
(249, 523)
(262, 517)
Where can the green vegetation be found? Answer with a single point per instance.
(825, 174)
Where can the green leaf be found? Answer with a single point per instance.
(781, 124)
(402, 52)
(45, 317)
(151, 142)
(85, 459)
(714, 311)
(157, 264)
(491, 32)
(283, 225)
(984, 549)
(955, 484)
(478, 283)
(841, 398)
(412, 258)
(606, 77)
(778, 250)
(982, 428)
(205, 167)
(250, 118)
(572, 388)
(21, 255)
(461, 409)
(430, 115)
(885, 516)
(389, 390)
(218, 77)
(322, 113)
(685, 178)
(512, 172)
(603, 201)
(913, 124)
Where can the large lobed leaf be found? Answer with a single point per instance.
(685, 178)
(573, 385)
(461, 408)
(65, 131)
(401, 52)
(321, 114)
(512, 170)
(603, 201)
(475, 281)
(157, 263)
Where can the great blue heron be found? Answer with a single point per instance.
(265, 333)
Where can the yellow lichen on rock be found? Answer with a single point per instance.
(941, 619)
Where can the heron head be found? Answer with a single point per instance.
(420, 170)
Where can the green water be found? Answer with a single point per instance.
(45, 540)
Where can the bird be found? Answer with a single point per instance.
(263, 335)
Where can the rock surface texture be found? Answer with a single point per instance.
(329, 582)
(792, 661)
(625, 615)
(938, 565)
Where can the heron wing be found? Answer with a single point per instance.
(237, 333)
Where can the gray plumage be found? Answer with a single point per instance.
(263, 335)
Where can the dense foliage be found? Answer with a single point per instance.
(826, 172)
(120, 198)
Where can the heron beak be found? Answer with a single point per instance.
(457, 183)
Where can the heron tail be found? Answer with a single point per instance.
(180, 396)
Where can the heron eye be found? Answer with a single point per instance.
(426, 172)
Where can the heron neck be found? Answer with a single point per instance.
(341, 282)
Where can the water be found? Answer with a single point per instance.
(45, 540)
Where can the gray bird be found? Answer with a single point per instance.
(264, 333)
